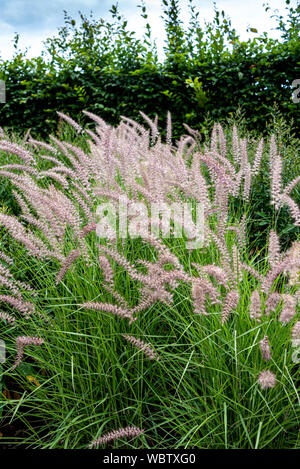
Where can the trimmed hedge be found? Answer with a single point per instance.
(102, 68)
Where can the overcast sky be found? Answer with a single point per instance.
(35, 20)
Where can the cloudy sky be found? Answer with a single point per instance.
(35, 20)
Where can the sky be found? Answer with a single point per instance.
(36, 20)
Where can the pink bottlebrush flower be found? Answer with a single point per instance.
(267, 379)
(276, 168)
(198, 297)
(152, 125)
(258, 157)
(169, 129)
(247, 182)
(288, 189)
(265, 348)
(5, 258)
(146, 348)
(294, 208)
(235, 255)
(20, 167)
(289, 307)
(7, 317)
(274, 249)
(214, 139)
(127, 432)
(273, 149)
(95, 118)
(217, 272)
(19, 233)
(255, 306)
(244, 156)
(251, 271)
(17, 150)
(9, 283)
(230, 304)
(200, 288)
(272, 275)
(272, 302)
(296, 331)
(70, 121)
(106, 268)
(67, 264)
(109, 308)
(83, 205)
(222, 140)
(23, 341)
(52, 174)
(293, 270)
(195, 133)
(24, 307)
(46, 146)
(87, 229)
(237, 183)
(235, 145)
(225, 256)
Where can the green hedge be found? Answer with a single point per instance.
(102, 68)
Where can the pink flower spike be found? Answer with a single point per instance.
(126, 432)
(23, 341)
(267, 379)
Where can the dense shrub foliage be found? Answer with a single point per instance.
(207, 72)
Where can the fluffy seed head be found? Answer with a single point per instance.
(267, 379)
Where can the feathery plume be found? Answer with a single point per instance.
(198, 298)
(294, 208)
(217, 272)
(146, 348)
(258, 157)
(274, 248)
(265, 348)
(267, 379)
(272, 302)
(106, 268)
(289, 307)
(88, 229)
(5, 258)
(23, 306)
(255, 306)
(296, 331)
(7, 317)
(276, 168)
(247, 182)
(110, 308)
(291, 186)
(235, 145)
(127, 432)
(67, 264)
(70, 121)
(230, 304)
(17, 150)
(169, 129)
(22, 342)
